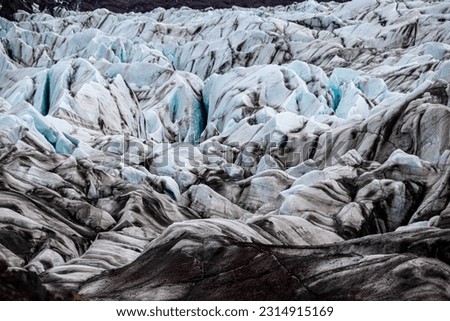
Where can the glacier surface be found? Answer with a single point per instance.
(297, 152)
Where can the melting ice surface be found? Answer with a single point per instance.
(182, 131)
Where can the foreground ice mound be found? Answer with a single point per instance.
(220, 150)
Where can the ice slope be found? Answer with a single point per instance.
(222, 149)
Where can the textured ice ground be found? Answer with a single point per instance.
(296, 152)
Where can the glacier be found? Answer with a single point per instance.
(296, 152)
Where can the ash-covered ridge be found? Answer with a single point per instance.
(10, 7)
(290, 152)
